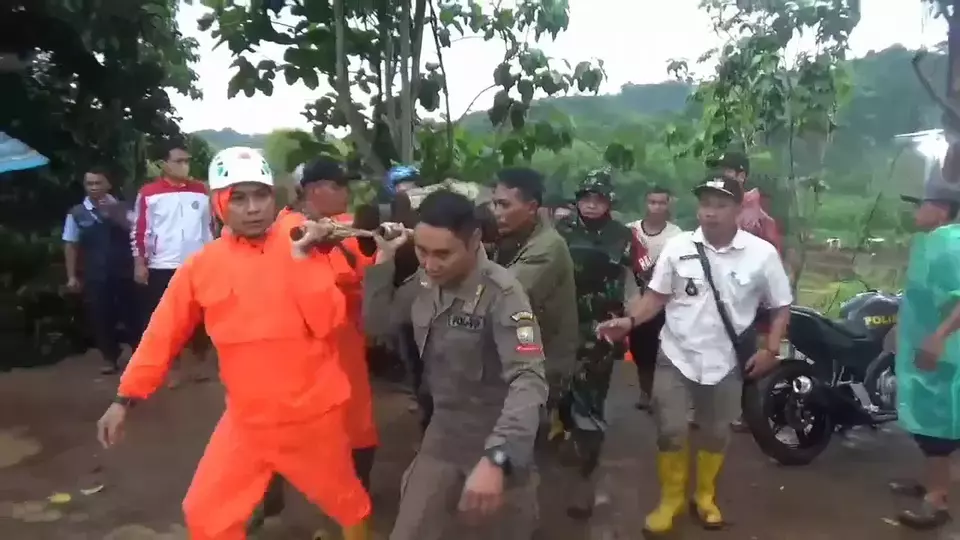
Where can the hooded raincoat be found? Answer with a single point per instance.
(276, 323)
(929, 401)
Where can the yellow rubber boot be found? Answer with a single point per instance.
(704, 498)
(672, 469)
(360, 531)
(557, 428)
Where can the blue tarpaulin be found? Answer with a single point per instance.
(17, 156)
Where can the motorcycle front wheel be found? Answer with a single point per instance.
(771, 406)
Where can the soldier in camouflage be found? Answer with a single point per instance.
(602, 250)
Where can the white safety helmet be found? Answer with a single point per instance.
(236, 165)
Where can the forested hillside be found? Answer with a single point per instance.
(884, 100)
(225, 138)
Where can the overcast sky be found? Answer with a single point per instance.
(635, 38)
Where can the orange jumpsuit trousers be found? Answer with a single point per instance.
(276, 323)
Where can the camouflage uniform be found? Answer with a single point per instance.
(602, 252)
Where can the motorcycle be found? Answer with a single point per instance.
(841, 376)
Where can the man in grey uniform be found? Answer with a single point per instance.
(473, 477)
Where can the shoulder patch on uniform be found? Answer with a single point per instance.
(523, 316)
(525, 335)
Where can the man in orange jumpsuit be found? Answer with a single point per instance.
(325, 194)
(274, 313)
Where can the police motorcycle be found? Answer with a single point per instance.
(840, 376)
(843, 373)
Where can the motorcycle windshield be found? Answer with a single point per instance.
(929, 401)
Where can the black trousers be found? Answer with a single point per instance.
(151, 293)
(113, 315)
(644, 346)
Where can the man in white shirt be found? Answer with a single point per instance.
(698, 362)
(172, 220)
(652, 233)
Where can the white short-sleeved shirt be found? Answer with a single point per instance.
(653, 242)
(747, 273)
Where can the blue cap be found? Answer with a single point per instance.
(399, 174)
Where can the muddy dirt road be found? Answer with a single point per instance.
(48, 449)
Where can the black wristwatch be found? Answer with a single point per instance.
(125, 401)
(499, 458)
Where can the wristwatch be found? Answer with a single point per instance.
(499, 458)
(125, 401)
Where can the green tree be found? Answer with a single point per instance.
(90, 89)
(285, 149)
(371, 56)
(759, 92)
(201, 154)
(79, 109)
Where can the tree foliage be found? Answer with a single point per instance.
(371, 56)
(758, 90)
(95, 77)
(89, 88)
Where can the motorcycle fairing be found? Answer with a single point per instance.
(826, 342)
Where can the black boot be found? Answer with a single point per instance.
(925, 517)
(110, 368)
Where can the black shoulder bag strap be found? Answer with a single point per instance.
(743, 350)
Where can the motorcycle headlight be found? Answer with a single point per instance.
(802, 385)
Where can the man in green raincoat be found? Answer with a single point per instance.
(603, 252)
(928, 350)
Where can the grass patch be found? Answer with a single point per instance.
(823, 291)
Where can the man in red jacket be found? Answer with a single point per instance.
(754, 217)
(755, 220)
(172, 221)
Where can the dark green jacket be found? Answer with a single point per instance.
(544, 267)
(603, 268)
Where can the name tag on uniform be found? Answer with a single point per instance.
(467, 322)
(689, 257)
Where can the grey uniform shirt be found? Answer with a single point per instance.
(482, 356)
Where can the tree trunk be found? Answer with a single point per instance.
(406, 101)
(358, 130)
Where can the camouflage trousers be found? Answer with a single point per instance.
(581, 410)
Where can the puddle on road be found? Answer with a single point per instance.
(139, 532)
(31, 512)
(15, 447)
(43, 512)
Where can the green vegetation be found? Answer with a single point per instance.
(884, 100)
(819, 126)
